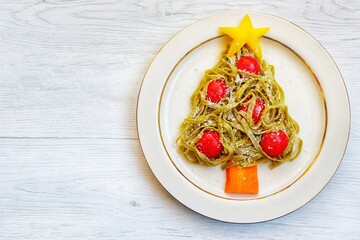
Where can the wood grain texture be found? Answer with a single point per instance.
(70, 163)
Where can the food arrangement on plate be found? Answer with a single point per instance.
(242, 121)
(238, 115)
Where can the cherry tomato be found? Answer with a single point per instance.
(216, 90)
(257, 111)
(209, 144)
(274, 143)
(248, 64)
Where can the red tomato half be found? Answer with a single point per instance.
(248, 64)
(209, 144)
(274, 143)
(257, 111)
(216, 90)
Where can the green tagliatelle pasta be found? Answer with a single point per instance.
(239, 135)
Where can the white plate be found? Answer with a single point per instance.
(315, 94)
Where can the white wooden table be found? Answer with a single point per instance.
(70, 162)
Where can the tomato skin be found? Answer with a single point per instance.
(257, 111)
(274, 143)
(248, 64)
(209, 144)
(216, 90)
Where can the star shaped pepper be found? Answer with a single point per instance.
(244, 34)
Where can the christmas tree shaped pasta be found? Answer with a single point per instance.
(238, 114)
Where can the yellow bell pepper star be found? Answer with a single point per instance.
(244, 34)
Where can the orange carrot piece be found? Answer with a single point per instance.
(242, 180)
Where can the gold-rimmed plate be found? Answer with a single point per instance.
(315, 94)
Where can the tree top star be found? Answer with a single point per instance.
(244, 34)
